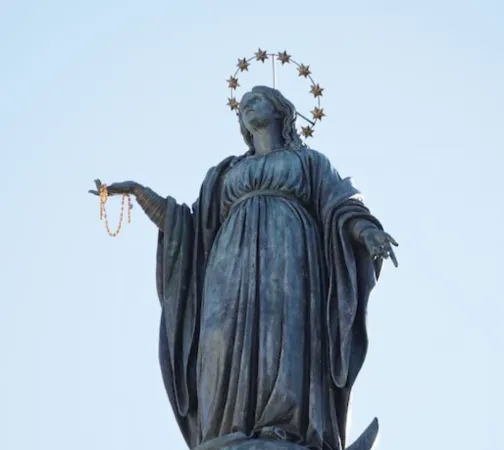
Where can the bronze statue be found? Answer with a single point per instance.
(264, 285)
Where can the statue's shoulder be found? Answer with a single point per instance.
(222, 166)
(216, 173)
(315, 155)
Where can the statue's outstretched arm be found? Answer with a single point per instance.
(152, 203)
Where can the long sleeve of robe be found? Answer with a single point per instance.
(182, 251)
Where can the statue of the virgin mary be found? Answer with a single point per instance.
(263, 286)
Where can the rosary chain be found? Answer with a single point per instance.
(103, 212)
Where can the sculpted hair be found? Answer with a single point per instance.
(286, 110)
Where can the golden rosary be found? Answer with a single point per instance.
(104, 195)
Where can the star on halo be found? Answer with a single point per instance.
(283, 57)
(243, 64)
(233, 82)
(261, 55)
(233, 104)
(316, 90)
(307, 131)
(318, 113)
(304, 71)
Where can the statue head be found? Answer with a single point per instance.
(263, 106)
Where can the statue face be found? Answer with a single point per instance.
(257, 111)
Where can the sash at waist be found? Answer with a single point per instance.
(268, 193)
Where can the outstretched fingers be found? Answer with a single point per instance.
(393, 257)
(392, 240)
(98, 185)
(114, 188)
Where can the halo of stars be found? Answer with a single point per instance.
(303, 71)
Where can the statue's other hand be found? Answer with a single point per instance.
(125, 187)
(380, 244)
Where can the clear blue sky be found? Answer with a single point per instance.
(136, 90)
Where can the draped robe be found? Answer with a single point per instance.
(264, 296)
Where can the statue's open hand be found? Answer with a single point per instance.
(379, 244)
(125, 187)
